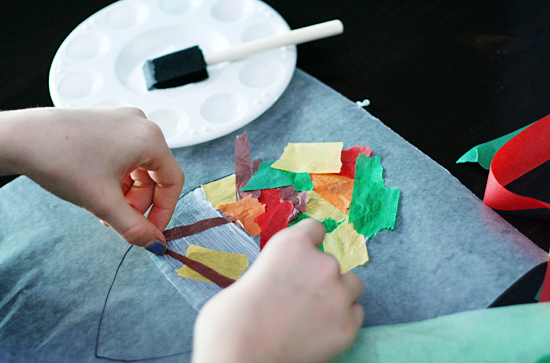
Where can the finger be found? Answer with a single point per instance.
(353, 284)
(357, 314)
(127, 184)
(311, 228)
(130, 224)
(140, 195)
(169, 179)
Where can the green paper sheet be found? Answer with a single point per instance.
(510, 334)
(483, 153)
(269, 178)
(373, 206)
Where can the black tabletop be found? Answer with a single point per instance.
(445, 75)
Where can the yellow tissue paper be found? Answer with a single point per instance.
(321, 209)
(221, 191)
(232, 265)
(348, 246)
(317, 158)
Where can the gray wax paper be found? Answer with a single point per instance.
(448, 252)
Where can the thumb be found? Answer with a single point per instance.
(131, 225)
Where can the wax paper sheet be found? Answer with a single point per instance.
(508, 334)
(63, 272)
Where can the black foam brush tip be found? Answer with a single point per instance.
(175, 69)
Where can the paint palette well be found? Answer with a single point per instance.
(100, 64)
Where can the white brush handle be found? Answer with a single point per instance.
(297, 36)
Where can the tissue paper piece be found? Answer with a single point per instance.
(300, 181)
(299, 199)
(221, 191)
(320, 209)
(231, 265)
(544, 293)
(202, 269)
(243, 167)
(329, 223)
(270, 198)
(525, 153)
(256, 165)
(348, 159)
(273, 221)
(269, 178)
(483, 153)
(318, 158)
(245, 210)
(348, 246)
(517, 333)
(197, 227)
(336, 189)
(373, 206)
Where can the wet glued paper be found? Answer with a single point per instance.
(231, 265)
(221, 191)
(373, 206)
(230, 237)
(197, 227)
(269, 178)
(317, 158)
(245, 211)
(512, 334)
(201, 269)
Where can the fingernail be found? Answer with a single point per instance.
(156, 247)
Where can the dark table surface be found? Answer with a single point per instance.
(446, 75)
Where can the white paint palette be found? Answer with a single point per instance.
(100, 64)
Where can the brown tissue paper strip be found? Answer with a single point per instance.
(197, 227)
(211, 274)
